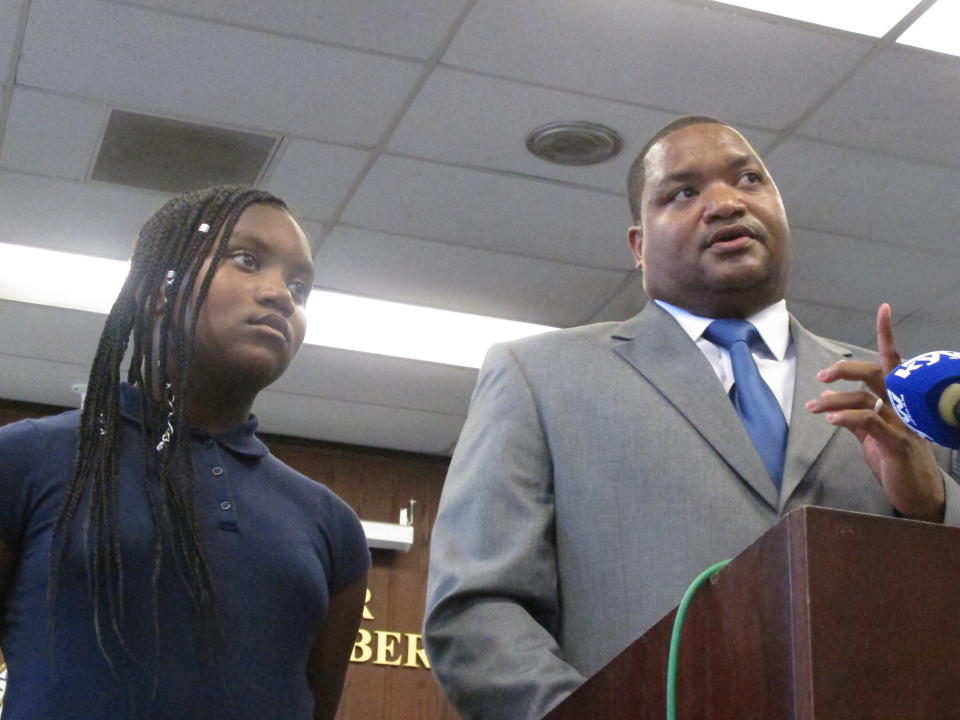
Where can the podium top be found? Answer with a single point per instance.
(830, 615)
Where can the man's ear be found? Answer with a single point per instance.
(635, 241)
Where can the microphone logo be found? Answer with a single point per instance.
(926, 360)
(899, 406)
(924, 391)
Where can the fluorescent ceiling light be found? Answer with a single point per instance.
(407, 331)
(936, 29)
(50, 277)
(80, 282)
(867, 17)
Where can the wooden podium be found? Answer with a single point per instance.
(829, 616)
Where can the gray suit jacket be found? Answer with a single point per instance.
(599, 471)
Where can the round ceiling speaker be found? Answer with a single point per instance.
(574, 143)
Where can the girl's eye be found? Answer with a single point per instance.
(683, 193)
(299, 290)
(245, 259)
(751, 177)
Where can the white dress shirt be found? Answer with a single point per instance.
(778, 367)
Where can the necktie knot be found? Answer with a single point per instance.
(754, 400)
(727, 331)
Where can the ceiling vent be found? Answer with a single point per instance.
(173, 156)
(574, 143)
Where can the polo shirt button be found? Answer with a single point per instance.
(217, 470)
(226, 505)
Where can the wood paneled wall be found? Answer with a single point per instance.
(377, 484)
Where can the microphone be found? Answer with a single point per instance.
(925, 392)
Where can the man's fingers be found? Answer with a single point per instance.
(886, 346)
(830, 401)
(863, 423)
(870, 374)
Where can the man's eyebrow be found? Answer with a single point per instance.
(679, 176)
(739, 161)
(734, 162)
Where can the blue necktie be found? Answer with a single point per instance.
(755, 402)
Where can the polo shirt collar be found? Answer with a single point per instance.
(240, 439)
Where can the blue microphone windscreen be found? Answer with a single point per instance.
(914, 388)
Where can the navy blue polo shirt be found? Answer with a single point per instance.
(277, 544)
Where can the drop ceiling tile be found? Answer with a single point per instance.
(493, 211)
(843, 191)
(904, 102)
(207, 71)
(454, 277)
(347, 376)
(357, 424)
(481, 121)
(40, 381)
(917, 335)
(860, 274)
(86, 218)
(9, 23)
(684, 57)
(40, 332)
(851, 326)
(405, 27)
(313, 178)
(51, 134)
(43, 334)
(945, 309)
(625, 303)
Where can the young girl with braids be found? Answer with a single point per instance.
(156, 561)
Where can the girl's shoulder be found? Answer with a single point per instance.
(45, 435)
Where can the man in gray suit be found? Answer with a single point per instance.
(601, 468)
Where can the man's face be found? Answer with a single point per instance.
(253, 320)
(713, 236)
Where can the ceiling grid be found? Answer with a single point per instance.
(403, 126)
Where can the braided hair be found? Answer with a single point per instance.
(164, 270)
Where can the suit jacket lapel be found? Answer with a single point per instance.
(809, 433)
(658, 348)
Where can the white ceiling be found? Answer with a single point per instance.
(403, 126)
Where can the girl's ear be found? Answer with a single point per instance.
(169, 289)
(166, 294)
